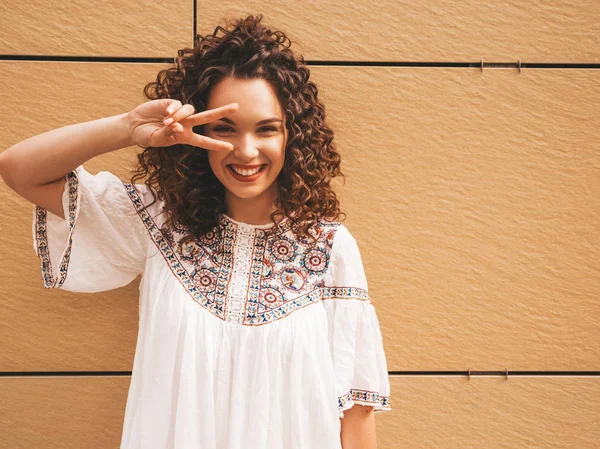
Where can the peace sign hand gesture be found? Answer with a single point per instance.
(150, 125)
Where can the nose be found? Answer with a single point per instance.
(246, 148)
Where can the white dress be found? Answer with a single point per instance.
(248, 338)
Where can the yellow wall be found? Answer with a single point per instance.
(474, 197)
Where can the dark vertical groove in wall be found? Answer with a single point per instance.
(195, 29)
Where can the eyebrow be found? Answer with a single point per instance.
(262, 122)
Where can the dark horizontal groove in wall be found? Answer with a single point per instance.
(121, 59)
(391, 373)
(494, 373)
(63, 373)
(478, 64)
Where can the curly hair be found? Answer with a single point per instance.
(181, 175)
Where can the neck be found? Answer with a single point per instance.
(256, 210)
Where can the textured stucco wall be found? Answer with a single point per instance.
(474, 197)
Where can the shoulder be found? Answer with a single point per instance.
(331, 227)
(146, 202)
(340, 241)
(346, 267)
(340, 237)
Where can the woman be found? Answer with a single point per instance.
(256, 328)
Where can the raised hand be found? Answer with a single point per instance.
(166, 122)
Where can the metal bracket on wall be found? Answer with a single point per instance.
(487, 373)
(500, 65)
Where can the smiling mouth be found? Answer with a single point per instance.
(246, 172)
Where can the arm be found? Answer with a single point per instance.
(35, 167)
(358, 428)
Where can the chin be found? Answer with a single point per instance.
(248, 193)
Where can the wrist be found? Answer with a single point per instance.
(124, 126)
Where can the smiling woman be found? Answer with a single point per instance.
(256, 328)
(252, 66)
(249, 173)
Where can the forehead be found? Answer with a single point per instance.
(254, 96)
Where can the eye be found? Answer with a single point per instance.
(222, 129)
(268, 129)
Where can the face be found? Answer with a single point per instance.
(257, 132)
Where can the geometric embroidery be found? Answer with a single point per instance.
(41, 236)
(345, 293)
(252, 276)
(363, 397)
(285, 273)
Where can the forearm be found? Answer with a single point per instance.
(358, 428)
(51, 155)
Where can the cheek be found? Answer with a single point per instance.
(277, 153)
(276, 159)
(214, 161)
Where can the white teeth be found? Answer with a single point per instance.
(246, 172)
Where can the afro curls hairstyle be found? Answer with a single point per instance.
(181, 175)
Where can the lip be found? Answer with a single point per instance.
(245, 178)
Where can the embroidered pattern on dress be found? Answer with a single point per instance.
(250, 276)
(236, 293)
(290, 274)
(346, 293)
(363, 397)
(41, 227)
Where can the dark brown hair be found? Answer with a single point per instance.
(182, 176)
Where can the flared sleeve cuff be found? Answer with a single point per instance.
(48, 227)
(357, 351)
(101, 244)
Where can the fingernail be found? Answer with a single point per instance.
(168, 121)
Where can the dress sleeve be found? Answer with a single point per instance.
(101, 244)
(355, 339)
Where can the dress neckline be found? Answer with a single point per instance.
(227, 218)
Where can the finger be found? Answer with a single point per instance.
(172, 132)
(182, 113)
(173, 106)
(198, 140)
(212, 114)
